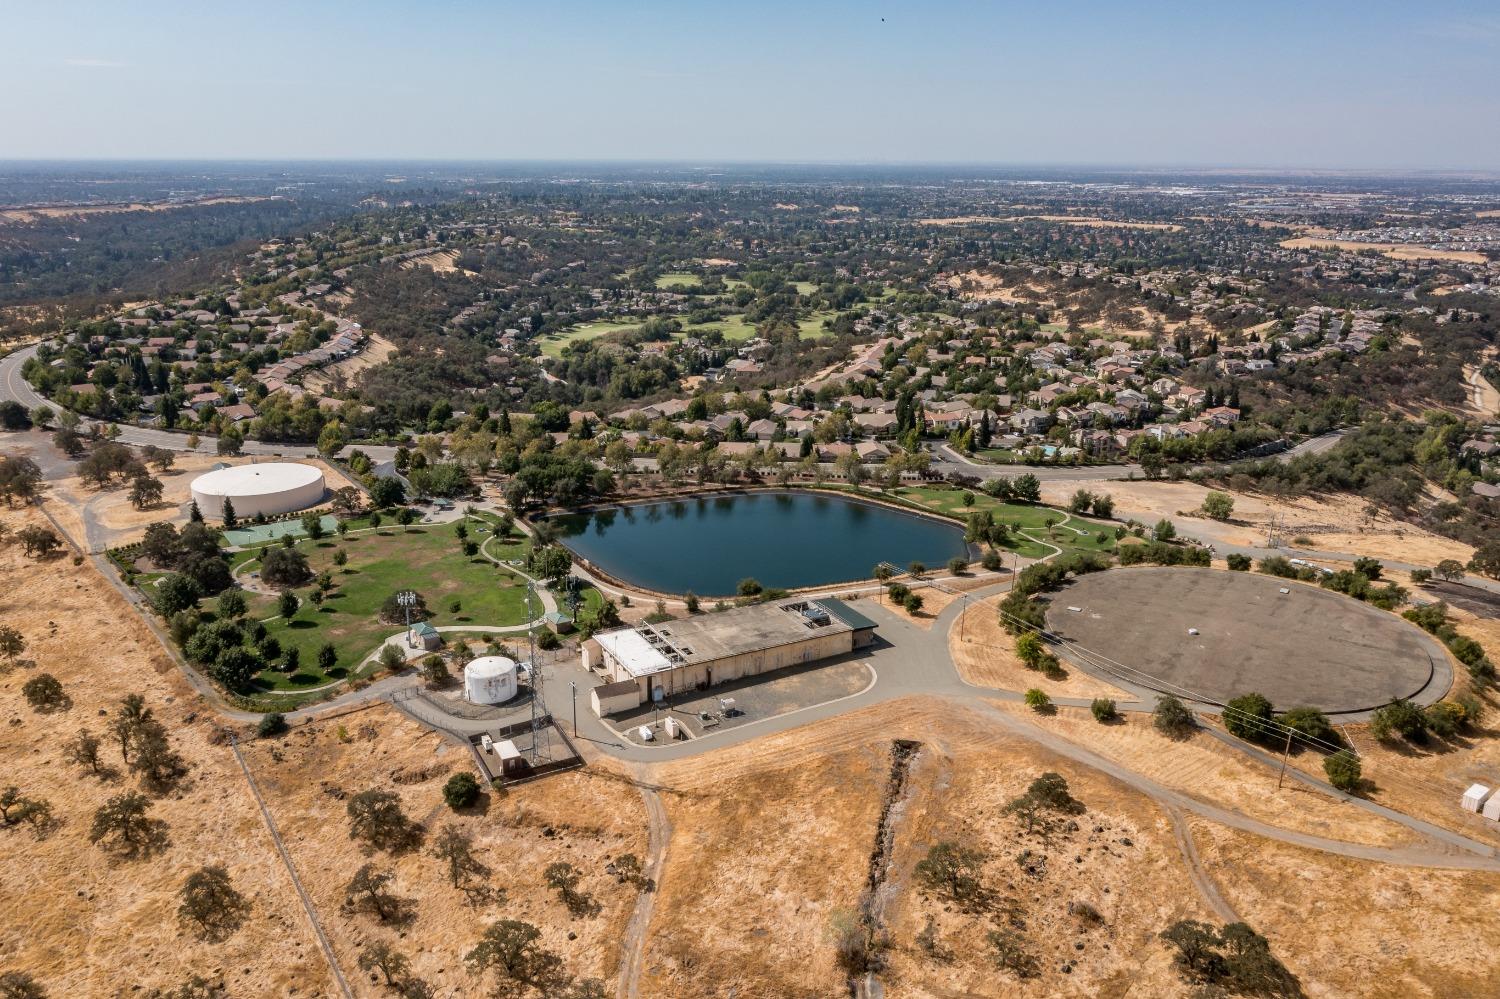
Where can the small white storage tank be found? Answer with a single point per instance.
(671, 728)
(490, 680)
(1475, 797)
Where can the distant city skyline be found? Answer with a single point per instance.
(1335, 85)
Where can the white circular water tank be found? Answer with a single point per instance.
(269, 488)
(490, 680)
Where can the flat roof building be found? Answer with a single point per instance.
(694, 653)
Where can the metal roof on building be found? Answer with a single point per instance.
(654, 648)
(846, 614)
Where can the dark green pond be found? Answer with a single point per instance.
(783, 539)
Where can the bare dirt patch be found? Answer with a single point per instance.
(979, 286)
(377, 350)
(1396, 251)
(1334, 523)
(1484, 398)
(963, 220)
(24, 215)
(441, 261)
(1082, 220)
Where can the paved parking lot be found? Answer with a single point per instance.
(755, 698)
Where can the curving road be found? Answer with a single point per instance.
(15, 388)
(910, 661)
(913, 662)
(951, 462)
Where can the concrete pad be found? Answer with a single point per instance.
(1307, 646)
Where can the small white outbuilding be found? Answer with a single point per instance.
(490, 680)
(1475, 797)
(1491, 809)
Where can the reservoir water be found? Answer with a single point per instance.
(787, 539)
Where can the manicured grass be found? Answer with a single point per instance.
(1068, 532)
(426, 559)
(811, 328)
(553, 344)
(918, 498)
(804, 287)
(734, 328)
(678, 279)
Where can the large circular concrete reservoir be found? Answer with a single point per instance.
(270, 488)
(1213, 636)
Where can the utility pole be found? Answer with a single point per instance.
(407, 599)
(573, 685)
(1284, 754)
(538, 706)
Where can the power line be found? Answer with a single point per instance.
(1130, 674)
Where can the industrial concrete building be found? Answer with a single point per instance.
(269, 488)
(658, 661)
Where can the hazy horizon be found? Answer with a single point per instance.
(1377, 87)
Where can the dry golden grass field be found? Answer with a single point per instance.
(768, 852)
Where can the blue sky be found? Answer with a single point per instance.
(1317, 83)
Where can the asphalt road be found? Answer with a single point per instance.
(910, 661)
(15, 388)
(949, 461)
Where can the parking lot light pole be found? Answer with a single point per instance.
(574, 685)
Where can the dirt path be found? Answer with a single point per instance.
(1486, 399)
(286, 858)
(1205, 882)
(633, 946)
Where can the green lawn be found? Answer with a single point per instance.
(1068, 532)
(426, 559)
(811, 328)
(679, 279)
(733, 327)
(553, 343)
(804, 287)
